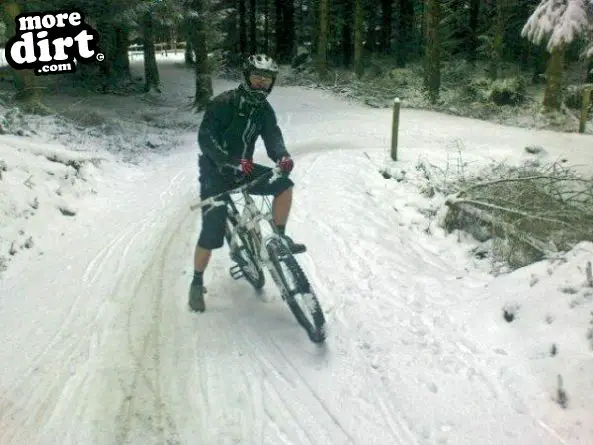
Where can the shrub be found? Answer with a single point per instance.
(478, 89)
(510, 91)
(573, 96)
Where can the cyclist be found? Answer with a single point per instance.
(232, 122)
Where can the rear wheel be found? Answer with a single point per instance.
(243, 252)
(296, 290)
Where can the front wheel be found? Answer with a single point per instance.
(296, 290)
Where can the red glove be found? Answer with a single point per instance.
(246, 166)
(286, 164)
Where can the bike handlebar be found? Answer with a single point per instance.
(273, 173)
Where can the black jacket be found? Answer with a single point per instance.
(231, 125)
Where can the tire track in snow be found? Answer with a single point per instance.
(218, 421)
(96, 265)
(232, 390)
(320, 422)
(299, 407)
(232, 384)
(79, 404)
(275, 411)
(67, 360)
(145, 351)
(66, 356)
(137, 321)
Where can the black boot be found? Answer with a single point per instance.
(294, 247)
(196, 294)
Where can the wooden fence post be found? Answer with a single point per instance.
(395, 128)
(585, 108)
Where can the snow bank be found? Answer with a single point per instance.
(543, 315)
(41, 185)
(536, 322)
(432, 314)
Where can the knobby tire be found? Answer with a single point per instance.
(279, 254)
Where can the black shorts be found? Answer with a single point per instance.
(212, 183)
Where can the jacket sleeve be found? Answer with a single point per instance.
(210, 133)
(272, 135)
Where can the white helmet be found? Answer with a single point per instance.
(259, 64)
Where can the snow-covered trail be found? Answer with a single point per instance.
(125, 363)
(103, 350)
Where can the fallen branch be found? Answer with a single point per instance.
(509, 229)
(76, 164)
(524, 178)
(60, 155)
(452, 201)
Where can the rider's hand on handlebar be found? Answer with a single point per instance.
(246, 166)
(286, 164)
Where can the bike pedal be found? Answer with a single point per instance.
(236, 272)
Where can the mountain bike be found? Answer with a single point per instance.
(253, 252)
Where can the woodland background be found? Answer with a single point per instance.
(520, 62)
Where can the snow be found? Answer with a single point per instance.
(562, 21)
(98, 345)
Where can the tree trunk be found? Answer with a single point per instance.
(186, 29)
(25, 82)
(314, 17)
(284, 30)
(279, 29)
(405, 32)
(322, 39)
(497, 40)
(252, 28)
(121, 62)
(188, 56)
(347, 34)
(173, 39)
(589, 75)
(202, 70)
(538, 60)
(151, 70)
(242, 29)
(553, 92)
(524, 57)
(472, 44)
(358, 33)
(231, 31)
(266, 26)
(371, 35)
(432, 62)
(386, 16)
(289, 30)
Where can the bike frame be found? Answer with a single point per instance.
(250, 219)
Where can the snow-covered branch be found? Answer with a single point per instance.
(559, 21)
(508, 229)
(534, 208)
